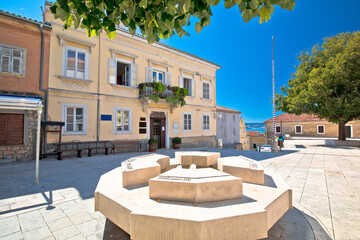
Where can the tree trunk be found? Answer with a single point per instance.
(341, 136)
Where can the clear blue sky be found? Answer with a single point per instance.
(244, 81)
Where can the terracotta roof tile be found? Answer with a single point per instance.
(225, 109)
(255, 133)
(286, 117)
(22, 18)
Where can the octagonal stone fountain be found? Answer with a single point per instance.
(153, 197)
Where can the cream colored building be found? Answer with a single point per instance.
(244, 138)
(93, 88)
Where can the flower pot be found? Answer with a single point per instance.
(152, 148)
(176, 145)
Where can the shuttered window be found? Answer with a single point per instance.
(11, 129)
(12, 60)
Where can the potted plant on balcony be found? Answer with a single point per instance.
(152, 144)
(176, 142)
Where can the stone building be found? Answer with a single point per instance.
(24, 58)
(244, 138)
(94, 89)
(257, 139)
(305, 125)
(228, 126)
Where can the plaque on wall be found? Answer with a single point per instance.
(142, 131)
(142, 124)
(142, 119)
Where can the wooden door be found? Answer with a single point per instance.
(347, 131)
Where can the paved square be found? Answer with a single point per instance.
(325, 183)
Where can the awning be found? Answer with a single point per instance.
(26, 103)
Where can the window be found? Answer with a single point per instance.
(254, 145)
(74, 117)
(188, 85)
(123, 71)
(76, 65)
(123, 120)
(206, 122)
(206, 90)
(187, 121)
(158, 76)
(321, 129)
(298, 129)
(277, 129)
(11, 129)
(12, 60)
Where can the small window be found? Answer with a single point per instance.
(123, 74)
(254, 145)
(188, 85)
(298, 129)
(75, 63)
(187, 120)
(158, 76)
(75, 119)
(206, 90)
(123, 120)
(277, 129)
(12, 60)
(206, 122)
(321, 129)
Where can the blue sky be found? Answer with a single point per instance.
(244, 81)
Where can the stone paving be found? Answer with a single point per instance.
(325, 182)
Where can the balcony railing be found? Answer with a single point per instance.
(150, 91)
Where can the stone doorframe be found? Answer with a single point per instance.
(167, 123)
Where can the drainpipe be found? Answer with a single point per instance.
(41, 81)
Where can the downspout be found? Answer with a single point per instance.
(98, 92)
(41, 81)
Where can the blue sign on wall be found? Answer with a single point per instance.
(105, 117)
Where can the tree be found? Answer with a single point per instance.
(326, 82)
(155, 18)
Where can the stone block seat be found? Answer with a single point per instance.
(249, 170)
(249, 216)
(200, 159)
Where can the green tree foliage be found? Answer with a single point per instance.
(155, 18)
(326, 82)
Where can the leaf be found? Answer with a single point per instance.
(254, 4)
(198, 27)
(247, 15)
(111, 34)
(264, 14)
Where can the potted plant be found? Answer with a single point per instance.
(176, 142)
(152, 144)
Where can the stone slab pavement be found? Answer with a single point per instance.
(325, 182)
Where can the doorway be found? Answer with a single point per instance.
(348, 131)
(157, 127)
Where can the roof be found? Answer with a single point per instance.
(12, 15)
(225, 109)
(161, 44)
(255, 133)
(20, 102)
(287, 117)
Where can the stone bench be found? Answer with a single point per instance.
(250, 171)
(200, 159)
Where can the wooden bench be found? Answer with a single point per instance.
(80, 146)
(68, 147)
(106, 145)
(125, 145)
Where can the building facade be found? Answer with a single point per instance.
(304, 125)
(24, 57)
(228, 126)
(93, 88)
(244, 138)
(257, 139)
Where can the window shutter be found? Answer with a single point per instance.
(112, 71)
(149, 74)
(168, 78)
(181, 82)
(5, 59)
(193, 87)
(135, 75)
(16, 62)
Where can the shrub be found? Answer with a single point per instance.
(152, 141)
(176, 140)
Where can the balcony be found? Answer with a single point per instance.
(150, 91)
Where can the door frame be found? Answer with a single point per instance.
(351, 129)
(167, 124)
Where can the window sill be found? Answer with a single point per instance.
(187, 130)
(122, 86)
(127, 132)
(74, 133)
(14, 75)
(206, 99)
(62, 77)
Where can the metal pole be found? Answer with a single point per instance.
(38, 145)
(273, 145)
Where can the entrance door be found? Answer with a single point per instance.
(347, 131)
(157, 128)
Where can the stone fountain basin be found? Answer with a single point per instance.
(249, 217)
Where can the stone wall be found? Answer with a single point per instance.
(228, 127)
(27, 151)
(203, 141)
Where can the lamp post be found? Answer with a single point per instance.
(274, 147)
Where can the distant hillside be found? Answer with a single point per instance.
(255, 127)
